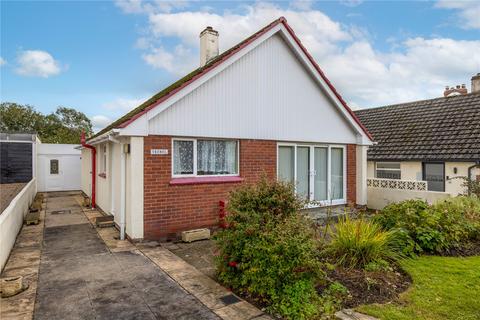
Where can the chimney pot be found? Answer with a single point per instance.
(208, 45)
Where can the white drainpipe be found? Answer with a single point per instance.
(123, 160)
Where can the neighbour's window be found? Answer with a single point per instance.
(53, 166)
(388, 170)
(205, 157)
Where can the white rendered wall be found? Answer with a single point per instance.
(11, 219)
(134, 188)
(361, 158)
(454, 185)
(86, 168)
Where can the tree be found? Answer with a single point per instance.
(63, 126)
(18, 118)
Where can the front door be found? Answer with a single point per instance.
(434, 174)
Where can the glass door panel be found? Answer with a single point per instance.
(303, 172)
(320, 191)
(286, 161)
(337, 173)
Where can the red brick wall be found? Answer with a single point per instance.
(351, 174)
(169, 209)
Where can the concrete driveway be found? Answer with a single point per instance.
(80, 278)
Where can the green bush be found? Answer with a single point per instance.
(332, 298)
(357, 243)
(269, 251)
(436, 228)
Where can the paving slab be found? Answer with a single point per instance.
(87, 273)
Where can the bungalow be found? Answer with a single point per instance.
(436, 140)
(263, 107)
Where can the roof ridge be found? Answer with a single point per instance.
(415, 102)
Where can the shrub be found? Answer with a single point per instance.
(435, 229)
(269, 250)
(332, 298)
(357, 243)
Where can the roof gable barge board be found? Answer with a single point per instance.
(266, 94)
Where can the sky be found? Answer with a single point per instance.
(106, 57)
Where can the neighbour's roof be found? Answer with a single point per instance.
(199, 72)
(428, 130)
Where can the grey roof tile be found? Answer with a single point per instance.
(427, 130)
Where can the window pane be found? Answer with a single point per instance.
(216, 157)
(435, 175)
(286, 164)
(54, 166)
(320, 191)
(388, 165)
(337, 173)
(388, 174)
(303, 168)
(182, 157)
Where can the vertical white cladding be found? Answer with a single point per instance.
(266, 94)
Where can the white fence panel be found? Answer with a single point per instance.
(382, 192)
(11, 219)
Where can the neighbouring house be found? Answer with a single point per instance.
(431, 142)
(261, 108)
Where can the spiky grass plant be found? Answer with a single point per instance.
(356, 243)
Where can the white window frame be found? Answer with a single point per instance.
(388, 169)
(195, 140)
(312, 147)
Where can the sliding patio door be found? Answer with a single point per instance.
(320, 162)
(303, 172)
(318, 172)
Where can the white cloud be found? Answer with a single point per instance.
(178, 62)
(37, 63)
(122, 105)
(468, 12)
(370, 78)
(351, 3)
(99, 122)
(416, 68)
(139, 6)
(2, 61)
(301, 4)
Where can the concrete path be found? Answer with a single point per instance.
(80, 278)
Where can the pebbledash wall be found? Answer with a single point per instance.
(170, 208)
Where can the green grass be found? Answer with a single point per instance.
(443, 288)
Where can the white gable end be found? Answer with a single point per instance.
(266, 94)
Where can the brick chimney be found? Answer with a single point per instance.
(455, 91)
(208, 45)
(476, 83)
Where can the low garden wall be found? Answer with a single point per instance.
(11, 219)
(382, 192)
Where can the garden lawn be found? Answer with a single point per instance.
(443, 288)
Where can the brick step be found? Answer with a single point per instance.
(104, 222)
